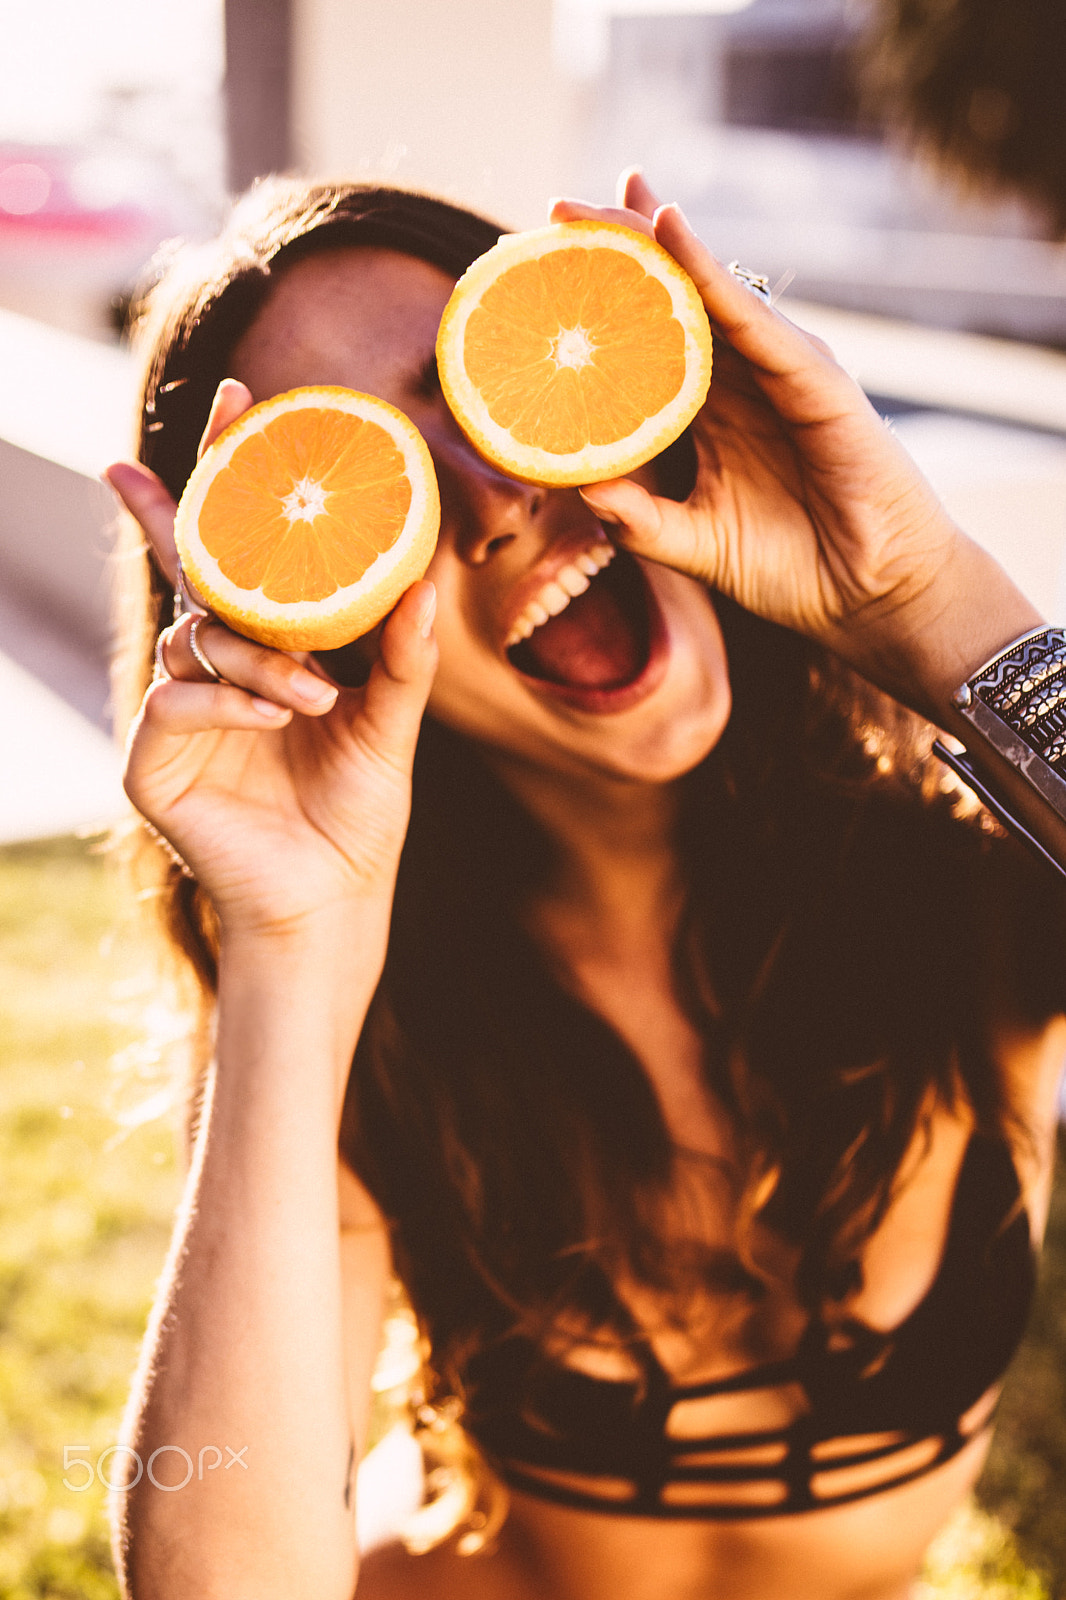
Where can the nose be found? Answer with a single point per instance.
(488, 509)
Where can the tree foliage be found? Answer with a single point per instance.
(977, 84)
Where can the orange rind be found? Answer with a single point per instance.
(305, 521)
(574, 353)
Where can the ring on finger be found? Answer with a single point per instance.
(159, 669)
(757, 282)
(198, 650)
(183, 600)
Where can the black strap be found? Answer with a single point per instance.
(962, 766)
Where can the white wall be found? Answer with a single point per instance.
(461, 97)
(66, 409)
(65, 412)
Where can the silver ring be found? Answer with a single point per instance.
(757, 282)
(183, 600)
(159, 669)
(197, 648)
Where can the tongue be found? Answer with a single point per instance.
(593, 644)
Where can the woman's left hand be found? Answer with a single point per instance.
(806, 509)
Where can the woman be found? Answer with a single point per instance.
(704, 1061)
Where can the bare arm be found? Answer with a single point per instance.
(246, 1358)
(289, 801)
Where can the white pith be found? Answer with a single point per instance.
(306, 502)
(572, 348)
(555, 595)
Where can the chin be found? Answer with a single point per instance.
(629, 682)
(658, 739)
(670, 747)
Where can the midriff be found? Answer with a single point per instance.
(871, 1549)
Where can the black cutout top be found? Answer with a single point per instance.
(540, 1423)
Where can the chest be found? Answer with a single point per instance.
(746, 1309)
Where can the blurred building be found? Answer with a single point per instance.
(65, 404)
(110, 142)
(465, 98)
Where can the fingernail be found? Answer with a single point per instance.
(109, 474)
(673, 206)
(429, 611)
(267, 708)
(604, 513)
(316, 693)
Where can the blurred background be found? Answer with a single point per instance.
(896, 167)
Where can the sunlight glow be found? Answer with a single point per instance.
(63, 58)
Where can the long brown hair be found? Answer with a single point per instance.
(847, 941)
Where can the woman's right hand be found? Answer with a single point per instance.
(285, 796)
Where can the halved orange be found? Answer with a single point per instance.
(304, 522)
(574, 353)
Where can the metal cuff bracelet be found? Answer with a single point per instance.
(1017, 703)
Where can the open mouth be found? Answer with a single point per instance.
(602, 642)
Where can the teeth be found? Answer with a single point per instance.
(555, 597)
(557, 593)
(595, 558)
(573, 580)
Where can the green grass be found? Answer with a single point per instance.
(1024, 1482)
(89, 1184)
(87, 1197)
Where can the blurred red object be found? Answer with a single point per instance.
(66, 192)
(77, 224)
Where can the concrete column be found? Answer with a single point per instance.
(258, 89)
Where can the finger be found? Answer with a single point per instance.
(244, 664)
(160, 762)
(174, 709)
(635, 193)
(762, 335)
(746, 319)
(402, 676)
(580, 211)
(659, 529)
(818, 343)
(232, 400)
(150, 503)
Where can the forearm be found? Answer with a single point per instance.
(930, 649)
(246, 1350)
